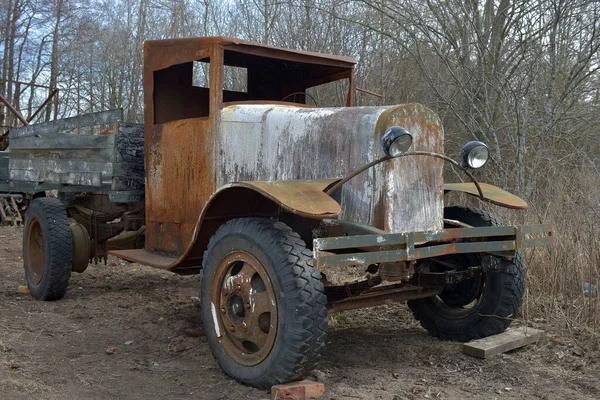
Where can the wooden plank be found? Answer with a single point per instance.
(99, 155)
(89, 179)
(508, 340)
(33, 187)
(65, 124)
(130, 170)
(62, 165)
(120, 183)
(62, 141)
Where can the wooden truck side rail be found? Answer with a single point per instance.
(90, 153)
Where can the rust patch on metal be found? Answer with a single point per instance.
(304, 198)
(413, 200)
(145, 257)
(36, 257)
(179, 182)
(383, 295)
(244, 308)
(175, 51)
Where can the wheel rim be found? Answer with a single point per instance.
(463, 293)
(35, 251)
(462, 299)
(246, 308)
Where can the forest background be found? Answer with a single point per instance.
(522, 76)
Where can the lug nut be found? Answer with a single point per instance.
(232, 328)
(223, 311)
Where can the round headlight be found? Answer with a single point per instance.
(474, 155)
(396, 141)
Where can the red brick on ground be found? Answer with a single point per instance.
(301, 390)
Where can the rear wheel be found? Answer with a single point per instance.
(47, 249)
(478, 307)
(263, 304)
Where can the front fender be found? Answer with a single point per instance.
(491, 193)
(256, 199)
(303, 198)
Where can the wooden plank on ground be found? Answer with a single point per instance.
(508, 340)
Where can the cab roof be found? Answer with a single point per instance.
(161, 54)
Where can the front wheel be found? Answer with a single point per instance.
(480, 306)
(263, 304)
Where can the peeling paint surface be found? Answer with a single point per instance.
(273, 142)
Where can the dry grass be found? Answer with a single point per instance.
(557, 276)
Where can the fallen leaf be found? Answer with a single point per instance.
(23, 289)
(194, 332)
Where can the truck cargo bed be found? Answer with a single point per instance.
(90, 153)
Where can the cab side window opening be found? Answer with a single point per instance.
(181, 91)
(235, 79)
(201, 74)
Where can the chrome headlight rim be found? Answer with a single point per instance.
(474, 155)
(396, 141)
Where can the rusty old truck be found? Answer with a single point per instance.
(271, 199)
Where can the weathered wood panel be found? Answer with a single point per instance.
(93, 179)
(54, 156)
(64, 141)
(508, 340)
(128, 172)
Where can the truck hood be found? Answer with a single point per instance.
(276, 142)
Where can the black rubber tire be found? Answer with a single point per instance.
(500, 297)
(52, 218)
(301, 302)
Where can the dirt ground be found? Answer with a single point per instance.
(151, 319)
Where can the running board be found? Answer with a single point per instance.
(145, 257)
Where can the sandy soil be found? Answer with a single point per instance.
(152, 320)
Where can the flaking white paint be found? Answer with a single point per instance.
(271, 142)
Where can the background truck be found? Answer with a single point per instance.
(269, 198)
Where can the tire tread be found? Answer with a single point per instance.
(507, 305)
(51, 212)
(303, 286)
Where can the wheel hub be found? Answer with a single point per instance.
(244, 293)
(236, 308)
(35, 251)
